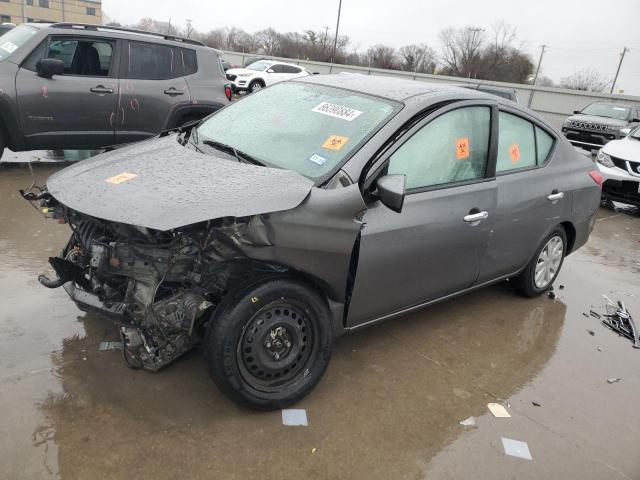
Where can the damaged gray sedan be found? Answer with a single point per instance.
(308, 210)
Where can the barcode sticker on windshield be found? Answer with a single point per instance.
(337, 111)
(9, 47)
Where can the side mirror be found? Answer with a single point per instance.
(270, 70)
(48, 67)
(575, 112)
(391, 191)
(635, 120)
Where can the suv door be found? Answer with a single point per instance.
(433, 248)
(532, 194)
(151, 87)
(277, 75)
(76, 109)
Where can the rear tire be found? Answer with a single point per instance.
(542, 270)
(268, 344)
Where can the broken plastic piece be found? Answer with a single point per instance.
(294, 417)
(104, 346)
(591, 332)
(552, 295)
(468, 422)
(561, 287)
(613, 380)
(516, 448)
(498, 410)
(536, 404)
(594, 314)
(620, 321)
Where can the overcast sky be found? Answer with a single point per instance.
(579, 33)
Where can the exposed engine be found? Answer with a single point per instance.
(159, 286)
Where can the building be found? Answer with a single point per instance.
(78, 11)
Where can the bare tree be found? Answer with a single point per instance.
(189, 29)
(588, 79)
(269, 40)
(418, 58)
(381, 56)
(461, 51)
(545, 81)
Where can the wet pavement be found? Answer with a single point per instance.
(387, 407)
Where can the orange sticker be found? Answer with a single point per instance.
(335, 142)
(462, 148)
(121, 178)
(514, 152)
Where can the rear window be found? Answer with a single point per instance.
(189, 61)
(14, 39)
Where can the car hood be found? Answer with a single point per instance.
(162, 185)
(626, 148)
(236, 71)
(597, 120)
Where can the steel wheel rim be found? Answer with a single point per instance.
(276, 345)
(549, 262)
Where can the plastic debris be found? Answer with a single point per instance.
(620, 321)
(594, 314)
(591, 332)
(552, 295)
(294, 417)
(536, 404)
(468, 422)
(314, 450)
(498, 410)
(561, 287)
(599, 349)
(516, 448)
(585, 315)
(104, 346)
(613, 380)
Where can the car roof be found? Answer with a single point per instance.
(397, 89)
(118, 32)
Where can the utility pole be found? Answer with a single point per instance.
(535, 76)
(335, 40)
(615, 79)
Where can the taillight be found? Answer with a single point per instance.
(596, 177)
(227, 91)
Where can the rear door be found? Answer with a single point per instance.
(275, 73)
(434, 247)
(76, 109)
(532, 194)
(152, 86)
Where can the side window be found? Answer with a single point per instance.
(516, 143)
(291, 69)
(81, 57)
(544, 142)
(452, 148)
(149, 61)
(278, 68)
(189, 61)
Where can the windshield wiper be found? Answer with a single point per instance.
(240, 156)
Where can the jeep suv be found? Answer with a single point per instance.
(600, 123)
(76, 86)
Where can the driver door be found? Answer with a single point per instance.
(434, 247)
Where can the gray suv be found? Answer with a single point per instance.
(599, 123)
(81, 86)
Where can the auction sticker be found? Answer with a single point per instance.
(462, 148)
(317, 159)
(121, 178)
(9, 47)
(335, 142)
(514, 152)
(337, 111)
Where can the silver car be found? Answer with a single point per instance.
(314, 208)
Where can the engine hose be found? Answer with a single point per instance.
(47, 282)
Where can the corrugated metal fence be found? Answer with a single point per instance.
(554, 104)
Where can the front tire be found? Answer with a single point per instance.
(255, 86)
(542, 270)
(267, 345)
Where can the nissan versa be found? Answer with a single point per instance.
(314, 208)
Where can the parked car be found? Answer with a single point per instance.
(5, 27)
(267, 232)
(226, 65)
(599, 123)
(262, 74)
(508, 93)
(619, 164)
(85, 86)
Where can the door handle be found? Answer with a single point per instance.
(475, 218)
(101, 89)
(555, 196)
(172, 91)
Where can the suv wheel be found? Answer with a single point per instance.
(545, 265)
(256, 85)
(268, 345)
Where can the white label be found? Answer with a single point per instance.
(338, 111)
(9, 47)
(317, 159)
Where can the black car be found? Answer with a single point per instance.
(87, 87)
(599, 123)
(313, 208)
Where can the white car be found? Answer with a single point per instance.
(619, 163)
(263, 73)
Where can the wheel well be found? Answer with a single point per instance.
(570, 230)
